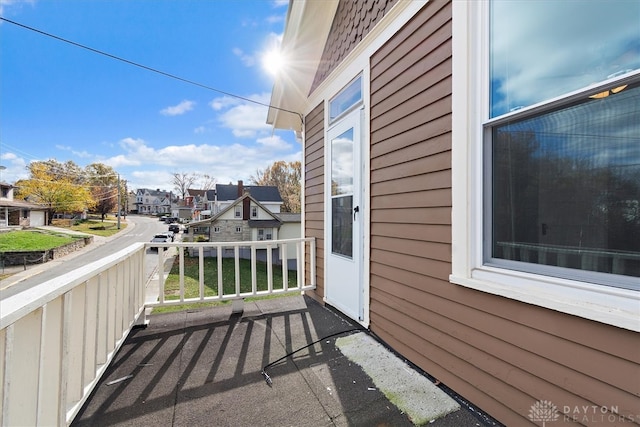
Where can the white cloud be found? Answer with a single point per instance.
(15, 168)
(10, 3)
(245, 119)
(274, 142)
(274, 19)
(223, 102)
(179, 109)
(247, 60)
(82, 154)
(200, 130)
(145, 166)
(121, 160)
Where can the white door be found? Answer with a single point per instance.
(344, 217)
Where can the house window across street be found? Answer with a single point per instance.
(216, 229)
(562, 179)
(254, 211)
(238, 229)
(238, 211)
(265, 233)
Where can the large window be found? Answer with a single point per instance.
(562, 178)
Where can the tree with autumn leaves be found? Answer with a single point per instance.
(286, 176)
(68, 188)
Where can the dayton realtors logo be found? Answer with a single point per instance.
(545, 411)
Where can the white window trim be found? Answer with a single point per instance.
(609, 305)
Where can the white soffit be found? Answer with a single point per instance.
(305, 35)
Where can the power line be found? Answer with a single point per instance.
(154, 70)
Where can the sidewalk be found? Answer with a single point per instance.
(203, 367)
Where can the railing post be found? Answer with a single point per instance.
(285, 266)
(161, 273)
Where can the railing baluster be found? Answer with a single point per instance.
(201, 272)
(219, 262)
(49, 398)
(269, 268)
(236, 257)
(285, 266)
(254, 273)
(299, 263)
(181, 269)
(313, 263)
(101, 327)
(6, 359)
(161, 273)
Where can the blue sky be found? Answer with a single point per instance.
(63, 102)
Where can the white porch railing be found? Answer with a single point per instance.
(273, 253)
(58, 338)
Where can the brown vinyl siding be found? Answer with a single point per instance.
(500, 354)
(314, 189)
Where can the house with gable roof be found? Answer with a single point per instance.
(208, 203)
(244, 220)
(225, 195)
(153, 202)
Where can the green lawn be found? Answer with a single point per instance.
(20, 240)
(191, 283)
(97, 227)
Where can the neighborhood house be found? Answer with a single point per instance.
(153, 202)
(19, 213)
(471, 175)
(247, 219)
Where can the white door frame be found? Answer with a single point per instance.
(344, 283)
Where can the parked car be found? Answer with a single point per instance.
(160, 238)
(174, 228)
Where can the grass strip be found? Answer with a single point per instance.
(192, 284)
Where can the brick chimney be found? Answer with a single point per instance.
(240, 188)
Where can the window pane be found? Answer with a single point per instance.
(543, 49)
(566, 186)
(342, 164)
(350, 96)
(342, 226)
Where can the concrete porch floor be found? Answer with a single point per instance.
(202, 367)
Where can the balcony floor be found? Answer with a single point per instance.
(203, 367)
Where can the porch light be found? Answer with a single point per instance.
(606, 93)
